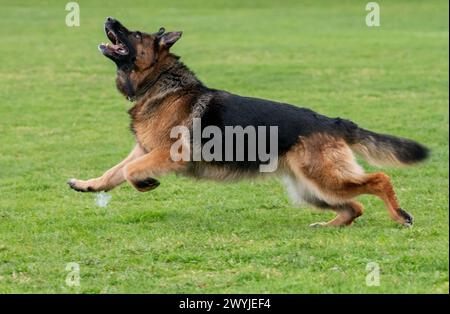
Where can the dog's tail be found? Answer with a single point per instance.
(386, 150)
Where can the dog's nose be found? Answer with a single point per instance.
(109, 19)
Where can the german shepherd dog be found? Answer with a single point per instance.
(315, 153)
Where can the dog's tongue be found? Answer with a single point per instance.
(113, 46)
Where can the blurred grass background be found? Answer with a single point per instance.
(61, 117)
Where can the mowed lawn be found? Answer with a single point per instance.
(61, 117)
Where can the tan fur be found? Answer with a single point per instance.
(328, 170)
(111, 178)
(153, 164)
(152, 127)
(376, 156)
(346, 214)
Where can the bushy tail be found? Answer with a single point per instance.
(386, 150)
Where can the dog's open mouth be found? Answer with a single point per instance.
(116, 47)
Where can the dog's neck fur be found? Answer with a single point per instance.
(167, 76)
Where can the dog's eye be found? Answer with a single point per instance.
(137, 35)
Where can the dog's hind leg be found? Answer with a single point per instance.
(329, 167)
(110, 179)
(346, 214)
(379, 184)
(301, 191)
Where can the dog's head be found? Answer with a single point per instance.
(135, 53)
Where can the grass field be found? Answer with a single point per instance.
(61, 117)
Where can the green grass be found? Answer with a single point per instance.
(61, 117)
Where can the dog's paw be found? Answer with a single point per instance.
(146, 184)
(79, 186)
(408, 219)
(318, 224)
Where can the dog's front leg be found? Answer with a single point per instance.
(142, 171)
(110, 179)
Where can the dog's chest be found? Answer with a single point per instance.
(152, 123)
(150, 134)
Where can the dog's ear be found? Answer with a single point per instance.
(168, 39)
(161, 32)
